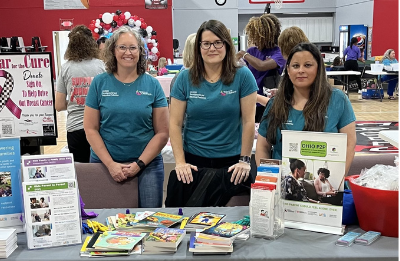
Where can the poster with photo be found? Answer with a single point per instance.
(62, 4)
(156, 4)
(11, 206)
(26, 95)
(313, 169)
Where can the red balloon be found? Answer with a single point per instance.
(121, 17)
(100, 15)
(149, 46)
(102, 24)
(141, 20)
(135, 17)
(92, 26)
(93, 22)
(143, 25)
(120, 23)
(107, 26)
(115, 18)
(158, 53)
(125, 21)
(95, 35)
(153, 36)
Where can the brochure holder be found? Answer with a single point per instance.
(266, 205)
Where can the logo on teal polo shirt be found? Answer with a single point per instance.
(143, 93)
(224, 93)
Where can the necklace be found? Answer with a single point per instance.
(212, 79)
(127, 84)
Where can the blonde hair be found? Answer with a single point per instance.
(162, 62)
(188, 51)
(289, 38)
(386, 55)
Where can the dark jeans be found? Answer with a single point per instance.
(78, 145)
(352, 65)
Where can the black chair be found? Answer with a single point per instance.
(4, 45)
(37, 45)
(14, 44)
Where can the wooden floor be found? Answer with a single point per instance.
(365, 110)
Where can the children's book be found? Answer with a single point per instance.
(223, 231)
(165, 237)
(119, 240)
(199, 248)
(206, 219)
(142, 215)
(160, 219)
(125, 221)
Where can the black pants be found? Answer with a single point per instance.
(259, 113)
(79, 146)
(214, 163)
(352, 65)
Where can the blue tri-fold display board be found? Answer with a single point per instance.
(372, 94)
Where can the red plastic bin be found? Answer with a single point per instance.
(377, 210)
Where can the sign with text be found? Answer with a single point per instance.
(156, 4)
(26, 95)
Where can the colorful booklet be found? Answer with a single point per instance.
(165, 237)
(125, 221)
(199, 248)
(223, 231)
(119, 240)
(160, 219)
(206, 219)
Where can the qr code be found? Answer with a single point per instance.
(293, 147)
(71, 185)
(6, 129)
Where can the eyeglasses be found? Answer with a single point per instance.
(207, 45)
(123, 48)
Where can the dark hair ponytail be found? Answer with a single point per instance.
(296, 164)
(353, 41)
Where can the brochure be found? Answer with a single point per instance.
(11, 205)
(313, 195)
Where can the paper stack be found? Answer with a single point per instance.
(8, 242)
(163, 240)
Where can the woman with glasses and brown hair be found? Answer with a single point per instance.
(218, 99)
(76, 74)
(126, 117)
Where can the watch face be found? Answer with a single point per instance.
(220, 2)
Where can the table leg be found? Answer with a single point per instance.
(380, 87)
(346, 82)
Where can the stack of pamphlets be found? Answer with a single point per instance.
(8, 242)
(203, 220)
(217, 239)
(163, 240)
(113, 243)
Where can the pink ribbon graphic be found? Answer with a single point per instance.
(5, 94)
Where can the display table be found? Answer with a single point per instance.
(346, 77)
(391, 136)
(165, 82)
(293, 245)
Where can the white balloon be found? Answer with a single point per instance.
(127, 15)
(155, 44)
(107, 18)
(131, 22)
(96, 30)
(153, 41)
(138, 23)
(97, 21)
(154, 50)
(149, 40)
(98, 26)
(149, 29)
(154, 57)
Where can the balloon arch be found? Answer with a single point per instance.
(107, 23)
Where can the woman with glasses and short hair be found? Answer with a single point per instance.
(218, 99)
(126, 117)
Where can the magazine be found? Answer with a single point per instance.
(313, 195)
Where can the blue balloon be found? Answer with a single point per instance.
(108, 35)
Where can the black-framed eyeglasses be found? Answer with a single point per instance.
(207, 45)
(123, 48)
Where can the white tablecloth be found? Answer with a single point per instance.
(165, 82)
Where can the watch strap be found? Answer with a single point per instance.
(141, 164)
(245, 159)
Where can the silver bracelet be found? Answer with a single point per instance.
(244, 55)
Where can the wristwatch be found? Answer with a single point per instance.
(141, 164)
(245, 159)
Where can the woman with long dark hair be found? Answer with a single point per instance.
(353, 54)
(305, 102)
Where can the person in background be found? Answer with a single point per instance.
(126, 117)
(322, 185)
(392, 80)
(265, 59)
(305, 101)
(188, 56)
(101, 43)
(218, 99)
(336, 62)
(292, 187)
(75, 77)
(353, 54)
(162, 62)
(289, 38)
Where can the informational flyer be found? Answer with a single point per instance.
(11, 206)
(48, 167)
(52, 213)
(26, 95)
(156, 4)
(312, 180)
